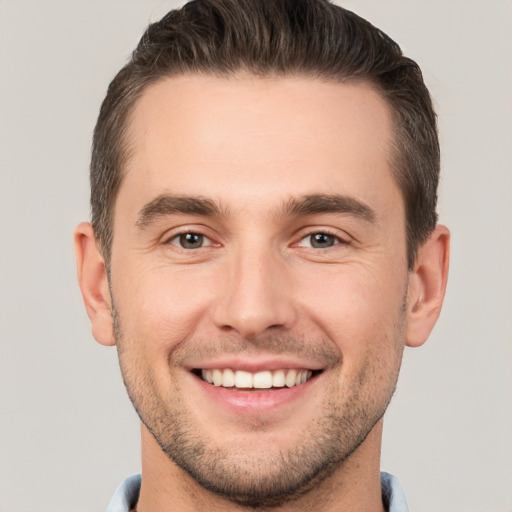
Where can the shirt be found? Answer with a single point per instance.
(127, 494)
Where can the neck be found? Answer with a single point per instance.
(354, 485)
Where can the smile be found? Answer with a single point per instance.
(240, 379)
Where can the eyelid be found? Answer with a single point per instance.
(174, 240)
(341, 237)
(175, 233)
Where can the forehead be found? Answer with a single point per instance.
(205, 135)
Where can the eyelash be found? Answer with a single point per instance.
(337, 239)
(178, 238)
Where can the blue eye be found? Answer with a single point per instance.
(320, 240)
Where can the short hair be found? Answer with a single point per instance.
(277, 38)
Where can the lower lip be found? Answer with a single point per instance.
(258, 401)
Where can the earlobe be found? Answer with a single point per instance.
(427, 285)
(93, 282)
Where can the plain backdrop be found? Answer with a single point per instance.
(68, 435)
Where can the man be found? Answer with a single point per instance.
(264, 243)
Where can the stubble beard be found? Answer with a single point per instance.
(261, 480)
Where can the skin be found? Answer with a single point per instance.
(258, 292)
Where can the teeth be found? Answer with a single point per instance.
(243, 379)
(291, 378)
(261, 380)
(228, 378)
(217, 377)
(278, 379)
(207, 376)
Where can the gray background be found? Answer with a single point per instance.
(67, 432)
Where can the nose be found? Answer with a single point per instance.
(255, 295)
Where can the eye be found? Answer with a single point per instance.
(320, 240)
(190, 240)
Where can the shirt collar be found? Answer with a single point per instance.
(127, 494)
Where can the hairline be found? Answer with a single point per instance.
(127, 144)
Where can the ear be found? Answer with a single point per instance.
(427, 285)
(92, 278)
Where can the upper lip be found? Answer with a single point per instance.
(255, 364)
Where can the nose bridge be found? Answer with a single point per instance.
(255, 295)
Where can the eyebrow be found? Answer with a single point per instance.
(168, 204)
(329, 203)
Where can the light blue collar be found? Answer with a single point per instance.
(127, 494)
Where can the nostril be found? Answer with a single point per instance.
(250, 308)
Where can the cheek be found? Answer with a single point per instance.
(358, 308)
(160, 307)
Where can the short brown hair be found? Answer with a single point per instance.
(274, 38)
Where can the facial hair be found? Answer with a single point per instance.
(253, 478)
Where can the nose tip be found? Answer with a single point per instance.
(256, 299)
(252, 324)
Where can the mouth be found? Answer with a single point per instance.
(245, 380)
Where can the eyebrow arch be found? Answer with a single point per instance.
(329, 203)
(167, 204)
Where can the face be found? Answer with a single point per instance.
(259, 277)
